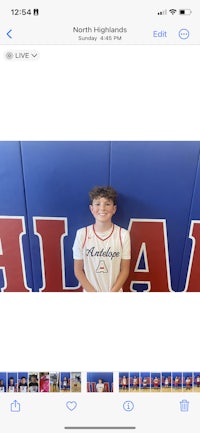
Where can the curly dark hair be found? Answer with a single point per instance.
(103, 191)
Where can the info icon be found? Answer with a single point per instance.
(128, 406)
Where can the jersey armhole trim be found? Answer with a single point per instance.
(85, 237)
(120, 236)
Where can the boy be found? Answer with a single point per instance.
(22, 386)
(11, 384)
(102, 251)
(64, 383)
(33, 384)
(100, 386)
(2, 386)
(124, 383)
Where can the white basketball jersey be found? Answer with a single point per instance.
(102, 254)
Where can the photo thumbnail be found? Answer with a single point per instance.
(23, 382)
(99, 382)
(33, 382)
(54, 382)
(124, 381)
(166, 382)
(12, 382)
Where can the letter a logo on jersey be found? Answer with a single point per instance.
(102, 267)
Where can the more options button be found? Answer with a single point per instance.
(184, 34)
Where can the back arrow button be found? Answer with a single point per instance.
(8, 33)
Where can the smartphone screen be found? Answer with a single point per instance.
(99, 216)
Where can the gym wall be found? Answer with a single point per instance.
(44, 200)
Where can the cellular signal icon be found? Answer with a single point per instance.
(164, 12)
(172, 11)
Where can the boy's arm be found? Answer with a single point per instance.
(123, 275)
(80, 275)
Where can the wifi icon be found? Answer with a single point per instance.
(172, 11)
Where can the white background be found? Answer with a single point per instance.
(100, 93)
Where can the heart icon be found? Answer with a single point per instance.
(71, 405)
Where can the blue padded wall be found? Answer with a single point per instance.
(57, 178)
(159, 180)
(155, 181)
(13, 199)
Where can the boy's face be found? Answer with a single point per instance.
(33, 379)
(103, 209)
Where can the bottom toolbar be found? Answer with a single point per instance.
(89, 412)
(118, 401)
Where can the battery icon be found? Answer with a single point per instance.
(35, 12)
(185, 11)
